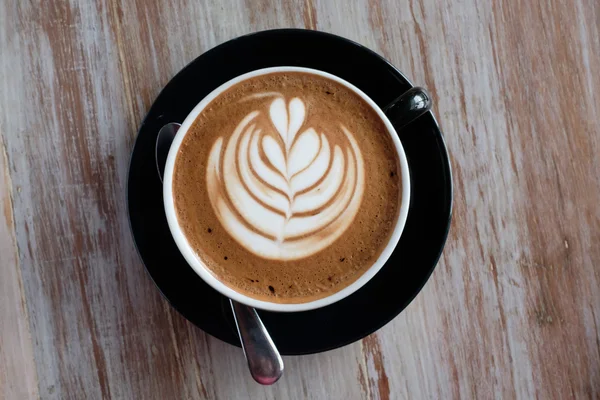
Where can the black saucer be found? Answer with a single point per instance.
(413, 260)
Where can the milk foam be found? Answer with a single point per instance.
(281, 188)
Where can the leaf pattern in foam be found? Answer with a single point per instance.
(297, 112)
(263, 171)
(315, 171)
(303, 152)
(250, 210)
(260, 189)
(319, 195)
(308, 224)
(279, 118)
(283, 183)
(274, 154)
(287, 121)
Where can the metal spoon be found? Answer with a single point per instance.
(264, 361)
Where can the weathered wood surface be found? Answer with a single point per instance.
(512, 310)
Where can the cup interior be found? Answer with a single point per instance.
(196, 262)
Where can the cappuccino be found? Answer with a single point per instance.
(287, 186)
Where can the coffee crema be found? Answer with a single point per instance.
(287, 187)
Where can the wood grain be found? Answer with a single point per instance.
(513, 309)
(18, 378)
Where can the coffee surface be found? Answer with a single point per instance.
(287, 186)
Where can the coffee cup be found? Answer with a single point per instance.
(403, 110)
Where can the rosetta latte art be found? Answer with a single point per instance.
(281, 188)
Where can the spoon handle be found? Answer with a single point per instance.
(264, 361)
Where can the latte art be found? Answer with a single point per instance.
(287, 186)
(281, 187)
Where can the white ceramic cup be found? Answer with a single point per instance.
(196, 262)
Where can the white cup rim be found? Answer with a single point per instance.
(196, 262)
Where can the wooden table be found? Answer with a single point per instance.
(513, 308)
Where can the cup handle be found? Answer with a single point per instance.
(408, 107)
